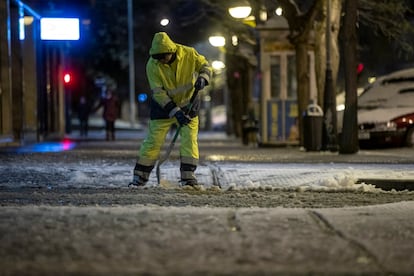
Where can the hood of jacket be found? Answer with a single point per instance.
(162, 43)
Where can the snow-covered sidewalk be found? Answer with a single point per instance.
(93, 173)
(145, 240)
(319, 177)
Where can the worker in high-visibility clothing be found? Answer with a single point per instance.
(174, 71)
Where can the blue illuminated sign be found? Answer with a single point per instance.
(59, 28)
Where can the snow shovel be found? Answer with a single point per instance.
(171, 146)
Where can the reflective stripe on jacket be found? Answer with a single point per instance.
(175, 81)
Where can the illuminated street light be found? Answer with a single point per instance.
(263, 14)
(217, 40)
(218, 65)
(164, 22)
(240, 11)
(278, 11)
(234, 40)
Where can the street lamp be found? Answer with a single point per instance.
(240, 10)
(218, 65)
(217, 40)
(279, 11)
(164, 22)
(131, 61)
(262, 13)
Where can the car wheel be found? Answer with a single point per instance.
(409, 138)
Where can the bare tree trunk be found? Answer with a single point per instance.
(349, 139)
(239, 75)
(300, 26)
(302, 75)
(320, 47)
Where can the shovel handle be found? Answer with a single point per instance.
(169, 149)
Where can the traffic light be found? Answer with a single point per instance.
(67, 78)
(360, 68)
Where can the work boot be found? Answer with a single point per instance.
(137, 181)
(189, 182)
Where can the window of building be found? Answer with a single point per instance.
(275, 76)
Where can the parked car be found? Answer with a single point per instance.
(386, 111)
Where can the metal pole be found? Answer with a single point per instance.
(132, 106)
(330, 140)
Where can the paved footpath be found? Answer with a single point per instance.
(145, 240)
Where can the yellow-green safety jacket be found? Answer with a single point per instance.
(174, 82)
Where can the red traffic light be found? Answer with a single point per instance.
(360, 68)
(67, 78)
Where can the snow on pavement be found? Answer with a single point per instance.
(104, 174)
(308, 176)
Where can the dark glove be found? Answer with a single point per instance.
(182, 118)
(200, 83)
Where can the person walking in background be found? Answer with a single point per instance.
(83, 115)
(110, 103)
(174, 71)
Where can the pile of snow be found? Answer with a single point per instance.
(334, 182)
(306, 177)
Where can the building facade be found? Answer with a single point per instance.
(278, 99)
(32, 94)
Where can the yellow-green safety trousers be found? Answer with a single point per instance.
(150, 149)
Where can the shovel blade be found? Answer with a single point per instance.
(158, 171)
